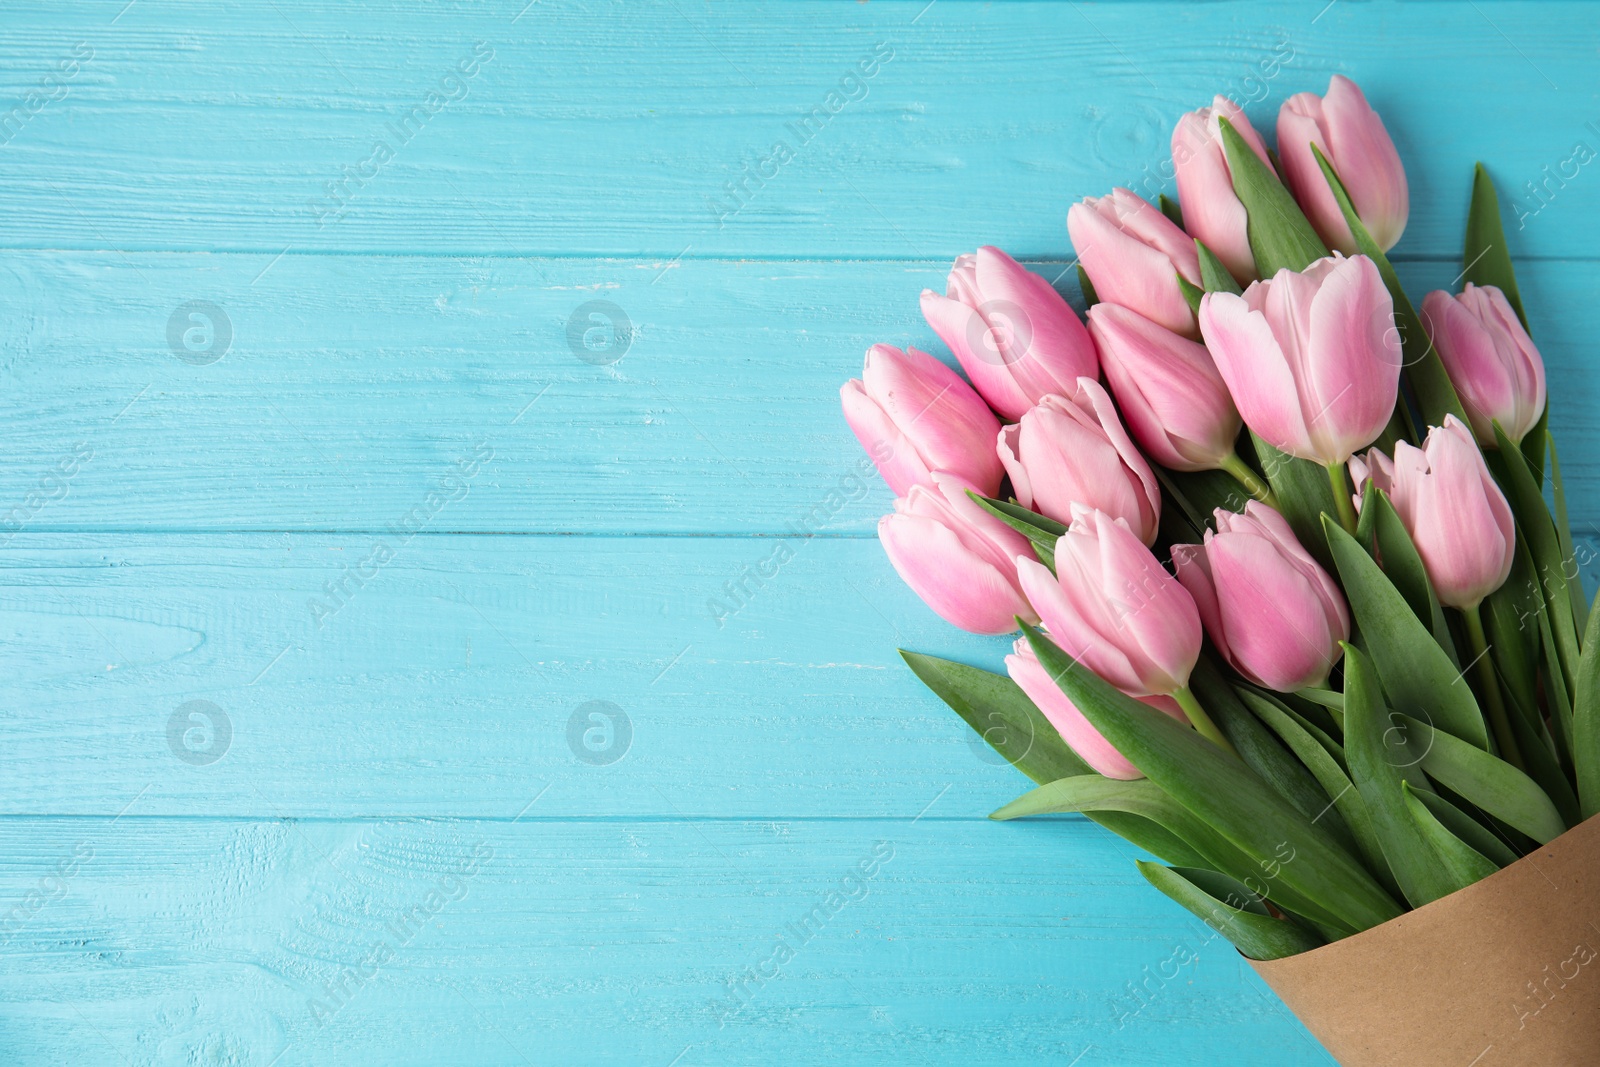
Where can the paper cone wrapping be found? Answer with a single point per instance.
(1507, 971)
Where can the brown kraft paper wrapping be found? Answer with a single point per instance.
(1507, 971)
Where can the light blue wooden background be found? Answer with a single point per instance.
(156, 910)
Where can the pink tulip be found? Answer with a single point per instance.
(958, 558)
(1030, 675)
(1270, 608)
(914, 416)
(1312, 358)
(1376, 466)
(1211, 211)
(1490, 359)
(1113, 608)
(1456, 514)
(1174, 400)
(1134, 254)
(1072, 450)
(1013, 334)
(1352, 137)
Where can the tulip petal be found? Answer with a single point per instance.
(1250, 360)
(1369, 166)
(893, 452)
(962, 328)
(959, 586)
(1351, 367)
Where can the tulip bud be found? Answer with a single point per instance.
(1270, 609)
(1013, 334)
(957, 557)
(1133, 255)
(914, 416)
(1490, 358)
(1073, 450)
(1029, 674)
(1175, 402)
(1211, 210)
(1312, 358)
(1457, 516)
(1113, 608)
(1351, 136)
(1376, 466)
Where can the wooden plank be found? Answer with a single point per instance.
(594, 129)
(352, 385)
(612, 941)
(461, 677)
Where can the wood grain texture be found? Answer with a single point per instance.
(598, 128)
(399, 367)
(555, 941)
(353, 384)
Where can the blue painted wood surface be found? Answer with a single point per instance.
(399, 533)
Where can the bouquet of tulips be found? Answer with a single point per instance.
(1296, 616)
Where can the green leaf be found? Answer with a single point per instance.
(1150, 836)
(1221, 791)
(1569, 553)
(1487, 256)
(1467, 828)
(1417, 675)
(1264, 754)
(1090, 299)
(1403, 566)
(1253, 932)
(1425, 374)
(1280, 235)
(1316, 753)
(1461, 864)
(1555, 683)
(1214, 277)
(1380, 769)
(1170, 208)
(1041, 531)
(1485, 781)
(1586, 718)
(1001, 713)
(1533, 445)
(1161, 825)
(1537, 528)
(1303, 493)
(1539, 759)
(1191, 293)
(1511, 615)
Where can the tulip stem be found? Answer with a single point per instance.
(1346, 508)
(1200, 720)
(1248, 478)
(1484, 666)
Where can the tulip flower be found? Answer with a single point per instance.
(1030, 675)
(1211, 211)
(1013, 334)
(1133, 255)
(1073, 450)
(1270, 609)
(1172, 397)
(1312, 360)
(1455, 512)
(1352, 138)
(1464, 531)
(1114, 608)
(957, 557)
(914, 416)
(1490, 358)
(1117, 612)
(1376, 466)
